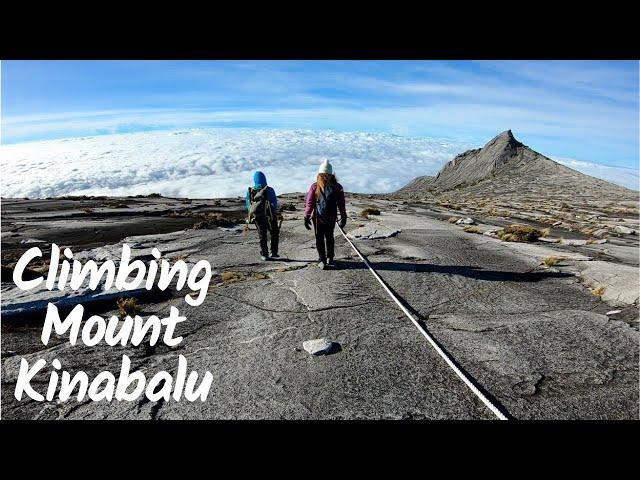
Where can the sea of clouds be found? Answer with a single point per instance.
(208, 163)
(219, 162)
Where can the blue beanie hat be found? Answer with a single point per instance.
(259, 180)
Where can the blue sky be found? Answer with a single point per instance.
(584, 110)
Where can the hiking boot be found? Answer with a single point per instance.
(330, 263)
(322, 265)
(263, 258)
(275, 255)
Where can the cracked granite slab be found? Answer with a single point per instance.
(535, 338)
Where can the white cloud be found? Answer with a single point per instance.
(216, 162)
(625, 176)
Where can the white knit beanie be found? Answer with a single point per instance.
(326, 167)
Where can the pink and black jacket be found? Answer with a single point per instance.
(329, 217)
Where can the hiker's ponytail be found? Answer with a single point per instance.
(323, 180)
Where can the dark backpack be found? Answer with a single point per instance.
(327, 204)
(260, 206)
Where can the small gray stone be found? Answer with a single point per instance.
(318, 346)
(466, 221)
(600, 233)
(625, 230)
(572, 241)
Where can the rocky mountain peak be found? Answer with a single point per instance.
(504, 140)
(506, 168)
(500, 153)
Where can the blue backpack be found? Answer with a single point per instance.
(327, 205)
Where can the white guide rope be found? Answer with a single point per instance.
(447, 358)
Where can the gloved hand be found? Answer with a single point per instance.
(343, 222)
(307, 223)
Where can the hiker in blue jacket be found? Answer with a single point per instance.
(262, 205)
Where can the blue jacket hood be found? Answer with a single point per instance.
(259, 180)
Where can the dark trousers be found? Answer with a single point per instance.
(324, 234)
(266, 224)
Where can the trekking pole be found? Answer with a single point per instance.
(445, 356)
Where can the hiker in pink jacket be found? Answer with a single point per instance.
(324, 199)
